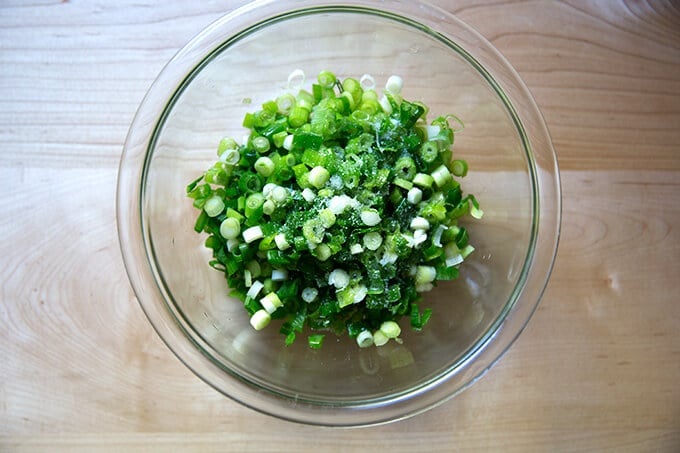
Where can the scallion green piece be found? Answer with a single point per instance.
(423, 180)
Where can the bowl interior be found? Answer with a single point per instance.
(252, 67)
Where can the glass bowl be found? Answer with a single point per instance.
(199, 97)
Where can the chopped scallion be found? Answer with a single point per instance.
(260, 319)
(337, 209)
(264, 166)
(213, 206)
(271, 302)
(370, 217)
(230, 228)
(252, 234)
(318, 177)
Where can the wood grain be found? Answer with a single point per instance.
(597, 369)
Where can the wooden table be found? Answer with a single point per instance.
(598, 368)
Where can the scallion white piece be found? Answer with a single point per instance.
(253, 234)
(260, 319)
(370, 217)
(271, 302)
(255, 289)
(338, 278)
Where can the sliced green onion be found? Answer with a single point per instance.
(327, 218)
(403, 183)
(255, 289)
(297, 117)
(308, 194)
(379, 338)
(234, 214)
(305, 99)
(254, 267)
(318, 176)
(285, 103)
(232, 244)
(419, 236)
(230, 157)
(268, 207)
(451, 249)
(424, 287)
(365, 339)
(437, 236)
(288, 142)
(310, 294)
(370, 217)
(391, 329)
(279, 275)
(405, 168)
(254, 203)
(475, 211)
(313, 231)
(360, 115)
(316, 341)
(351, 295)
(252, 234)
(338, 278)
(441, 176)
(432, 132)
(260, 319)
(281, 241)
(289, 159)
(370, 106)
(425, 274)
(339, 203)
(214, 206)
(271, 302)
(369, 94)
(264, 166)
(423, 180)
(268, 189)
(429, 151)
(353, 87)
(394, 84)
(420, 223)
(385, 104)
(261, 144)
(367, 82)
(454, 260)
(279, 195)
(414, 196)
(250, 182)
(459, 168)
(227, 143)
(467, 250)
(336, 197)
(230, 228)
(373, 240)
(322, 252)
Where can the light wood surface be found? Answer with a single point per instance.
(597, 369)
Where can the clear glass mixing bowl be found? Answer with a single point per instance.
(199, 97)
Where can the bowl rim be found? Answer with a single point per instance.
(512, 320)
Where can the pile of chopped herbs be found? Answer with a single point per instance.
(337, 211)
